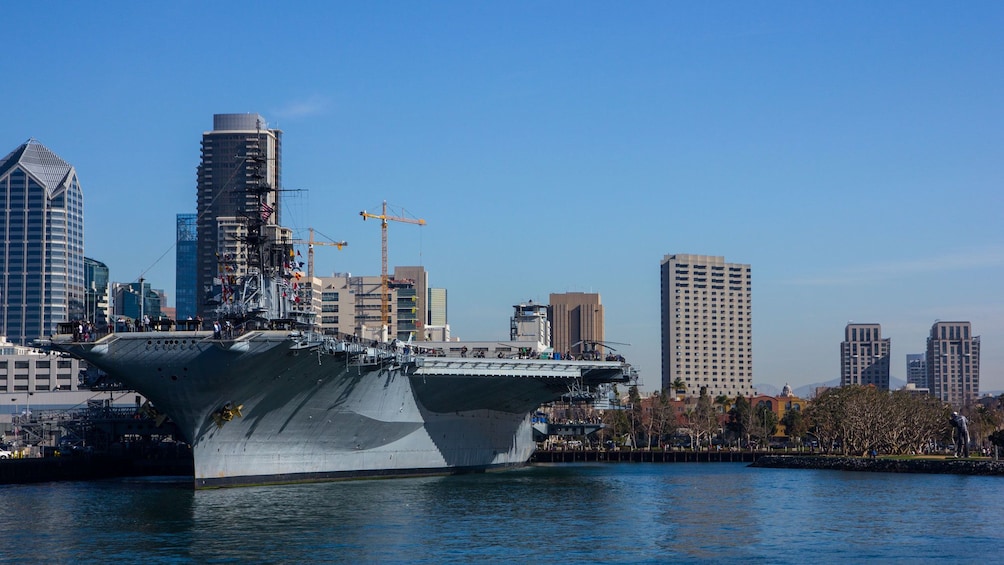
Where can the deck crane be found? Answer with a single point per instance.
(310, 243)
(383, 217)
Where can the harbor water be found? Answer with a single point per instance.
(568, 513)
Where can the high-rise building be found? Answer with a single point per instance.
(953, 363)
(412, 306)
(241, 162)
(186, 296)
(576, 322)
(96, 290)
(351, 306)
(707, 328)
(42, 258)
(438, 308)
(916, 369)
(127, 298)
(864, 356)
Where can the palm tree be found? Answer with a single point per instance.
(724, 402)
(679, 386)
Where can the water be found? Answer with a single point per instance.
(677, 512)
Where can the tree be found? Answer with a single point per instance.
(740, 418)
(665, 417)
(795, 425)
(862, 418)
(724, 403)
(657, 419)
(679, 386)
(705, 419)
(635, 416)
(765, 422)
(985, 420)
(617, 422)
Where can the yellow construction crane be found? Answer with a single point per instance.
(383, 217)
(310, 243)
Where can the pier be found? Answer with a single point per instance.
(93, 467)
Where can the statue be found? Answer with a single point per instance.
(961, 425)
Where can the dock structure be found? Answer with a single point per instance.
(543, 430)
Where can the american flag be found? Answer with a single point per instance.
(266, 211)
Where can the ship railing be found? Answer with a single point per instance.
(91, 332)
(342, 346)
(367, 359)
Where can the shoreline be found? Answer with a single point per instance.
(642, 456)
(952, 466)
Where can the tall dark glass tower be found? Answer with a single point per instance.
(42, 257)
(240, 157)
(187, 249)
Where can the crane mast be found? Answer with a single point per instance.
(383, 217)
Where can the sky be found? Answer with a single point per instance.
(850, 152)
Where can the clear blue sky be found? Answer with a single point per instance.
(851, 152)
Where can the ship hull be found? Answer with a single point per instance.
(269, 407)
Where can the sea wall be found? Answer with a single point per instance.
(882, 465)
(642, 456)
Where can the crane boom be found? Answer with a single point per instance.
(310, 250)
(383, 217)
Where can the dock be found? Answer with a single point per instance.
(91, 467)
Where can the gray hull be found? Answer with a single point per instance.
(270, 407)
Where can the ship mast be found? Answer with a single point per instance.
(259, 293)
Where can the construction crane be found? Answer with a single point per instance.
(310, 243)
(383, 217)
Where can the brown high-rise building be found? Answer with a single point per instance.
(953, 363)
(864, 356)
(576, 322)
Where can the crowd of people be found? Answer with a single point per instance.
(84, 330)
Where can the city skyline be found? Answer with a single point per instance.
(848, 153)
